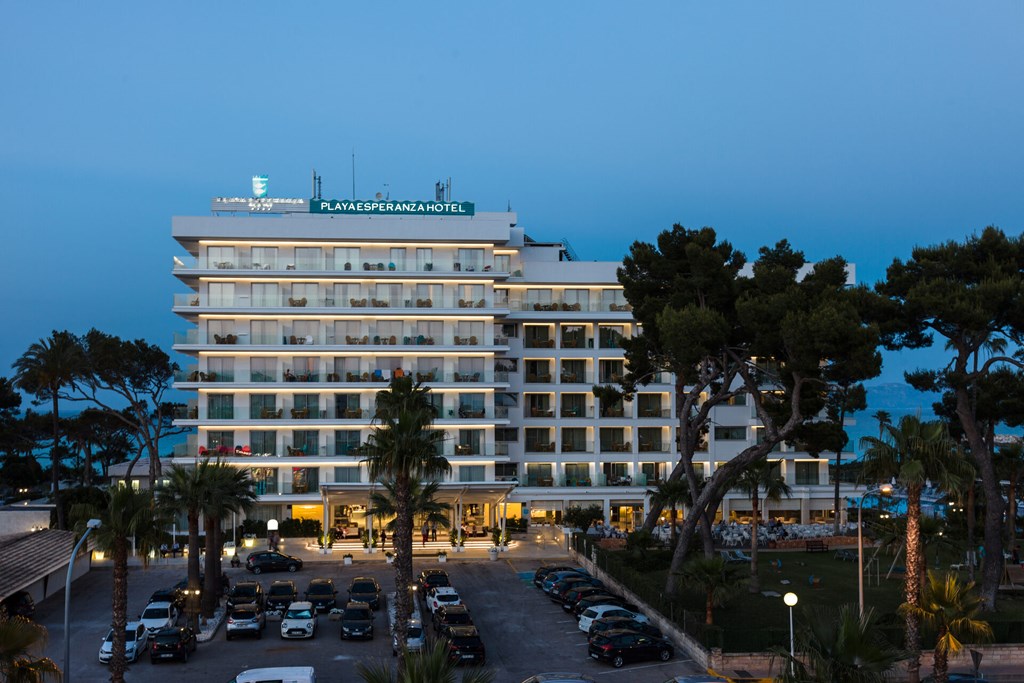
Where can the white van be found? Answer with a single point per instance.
(277, 674)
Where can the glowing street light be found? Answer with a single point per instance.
(791, 599)
(885, 489)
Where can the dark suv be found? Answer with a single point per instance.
(357, 621)
(452, 615)
(246, 593)
(365, 589)
(281, 594)
(323, 594)
(172, 643)
(271, 561)
(432, 578)
(619, 646)
(464, 645)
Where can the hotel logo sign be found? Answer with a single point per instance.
(384, 207)
(259, 186)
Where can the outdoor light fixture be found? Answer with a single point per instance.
(884, 489)
(791, 599)
(89, 526)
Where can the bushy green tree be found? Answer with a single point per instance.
(761, 478)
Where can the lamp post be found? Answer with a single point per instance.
(90, 525)
(790, 599)
(192, 606)
(885, 489)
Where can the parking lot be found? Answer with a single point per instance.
(524, 632)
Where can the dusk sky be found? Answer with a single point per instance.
(859, 129)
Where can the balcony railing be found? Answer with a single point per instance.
(568, 307)
(367, 263)
(576, 412)
(328, 338)
(408, 301)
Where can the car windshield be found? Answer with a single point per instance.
(298, 614)
(457, 619)
(320, 589)
(171, 639)
(129, 635)
(243, 614)
(447, 597)
(466, 641)
(282, 590)
(360, 613)
(364, 587)
(415, 632)
(155, 613)
(245, 591)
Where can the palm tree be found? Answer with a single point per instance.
(760, 476)
(185, 494)
(18, 637)
(127, 513)
(713, 577)
(430, 665)
(422, 502)
(227, 489)
(43, 370)
(884, 419)
(950, 608)
(840, 646)
(403, 448)
(671, 493)
(915, 452)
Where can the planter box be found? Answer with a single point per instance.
(390, 559)
(442, 558)
(492, 552)
(347, 560)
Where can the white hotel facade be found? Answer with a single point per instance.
(297, 318)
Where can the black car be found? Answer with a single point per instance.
(544, 570)
(365, 589)
(281, 594)
(465, 645)
(246, 593)
(174, 642)
(619, 623)
(173, 595)
(580, 592)
(323, 594)
(272, 561)
(452, 615)
(432, 578)
(357, 621)
(620, 646)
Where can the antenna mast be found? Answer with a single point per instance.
(353, 173)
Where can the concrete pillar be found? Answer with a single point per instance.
(369, 523)
(805, 513)
(324, 500)
(458, 521)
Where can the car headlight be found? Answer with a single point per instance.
(309, 624)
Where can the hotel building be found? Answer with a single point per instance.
(299, 312)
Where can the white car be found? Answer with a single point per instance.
(158, 615)
(136, 638)
(602, 611)
(442, 595)
(299, 621)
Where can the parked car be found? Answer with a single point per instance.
(699, 678)
(299, 621)
(602, 611)
(278, 674)
(136, 637)
(452, 615)
(580, 592)
(544, 570)
(415, 638)
(173, 595)
(562, 588)
(559, 677)
(619, 647)
(272, 561)
(431, 578)
(442, 595)
(323, 594)
(612, 623)
(246, 593)
(158, 615)
(172, 643)
(554, 577)
(365, 589)
(465, 645)
(586, 603)
(281, 594)
(357, 621)
(245, 620)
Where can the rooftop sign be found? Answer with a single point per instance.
(407, 208)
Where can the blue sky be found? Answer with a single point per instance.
(854, 128)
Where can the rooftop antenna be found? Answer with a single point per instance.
(449, 189)
(387, 190)
(353, 173)
(319, 188)
(509, 209)
(438, 191)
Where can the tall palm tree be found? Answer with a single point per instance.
(185, 494)
(18, 638)
(671, 494)
(755, 479)
(422, 502)
(227, 489)
(127, 513)
(915, 452)
(403, 447)
(951, 608)
(839, 646)
(884, 419)
(717, 580)
(432, 664)
(43, 370)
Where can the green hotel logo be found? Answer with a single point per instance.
(378, 207)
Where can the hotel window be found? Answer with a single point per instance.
(346, 475)
(432, 332)
(470, 296)
(574, 440)
(538, 405)
(218, 331)
(613, 439)
(504, 471)
(305, 479)
(730, 433)
(501, 297)
(577, 296)
(737, 400)
(538, 440)
(221, 257)
(610, 336)
(264, 482)
(428, 369)
(307, 441)
(398, 258)
(574, 405)
(306, 331)
(262, 406)
(506, 434)
(220, 406)
(611, 371)
(538, 371)
(266, 294)
(215, 438)
(649, 405)
(263, 442)
(510, 330)
(436, 402)
(574, 372)
(650, 440)
(348, 332)
(429, 296)
(346, 407)
(222, 293)
(264, 332)
(346, 258)
(389, 331)
(471, 259)
(612, 299)
(538, 337)
(310, 291)
(305, 368)
(347, 442)
(471, 405)
(308, 258)
(471, 472)
(807, 473)
(307, 406)
(470, 442)
(502, 263)
(424, 258)
(538, 299)
(654, 472)
(389, 295)
(348, 294)
(221, 368)
(346, 368)
(539, 474)
(262, 369)
(574, 337)
(264, 258)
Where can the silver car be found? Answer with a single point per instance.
(245, 620)
(136, 637)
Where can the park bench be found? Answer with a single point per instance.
(816, 546)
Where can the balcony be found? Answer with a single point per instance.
(406, 301)
(577, 412)
(648, 412)
(577, 447)
(562, 306)
(328, 264)
(612, 447)
(539, 343)
(540, 447)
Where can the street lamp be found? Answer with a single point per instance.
(790, 599)
(89, 526)
(884, 489)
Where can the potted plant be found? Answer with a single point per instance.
(456, 546)
(426, 266)
(442, 556)
(389, 557)
(367, 540)
(347, 558)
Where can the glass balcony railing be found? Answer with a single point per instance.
(291, 337)
(562, 306)
(327, 263)
(578, 447)
(408, 301)
(576, 378)
(646, 412)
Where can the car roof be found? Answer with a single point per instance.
(560, 677)
(170, 631)
(278, 581)
(444, 590)
(312, 581)
(357, 604)
(449, 609)
(301, 604)
(433, 572)
(247, 607)
(463, 630)
(163, 604)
